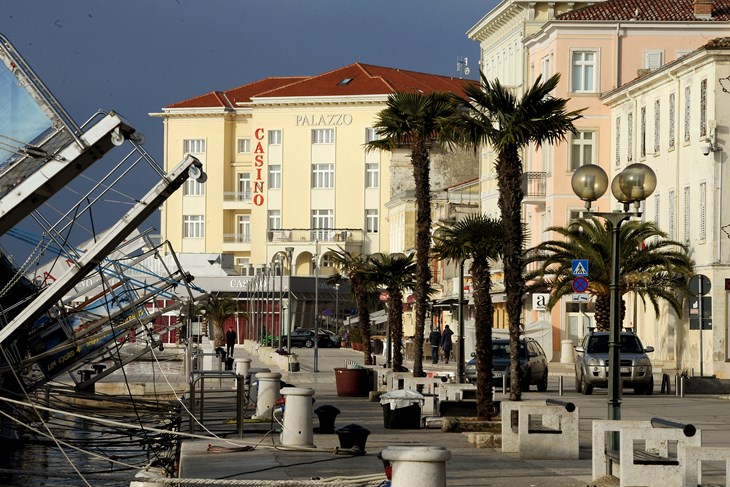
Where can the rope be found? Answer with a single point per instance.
(359, 480)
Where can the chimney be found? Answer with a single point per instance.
(703, 9)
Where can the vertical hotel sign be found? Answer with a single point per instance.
(258, 182)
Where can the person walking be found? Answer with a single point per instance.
(231, 340)
(446, 342)
(435, 339)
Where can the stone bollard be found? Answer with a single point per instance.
(298, 430)
(242, 366)
(424, 466)
(268, 393)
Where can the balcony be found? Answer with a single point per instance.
(347, 238)
(236, 242)
(237, 200)
(534, 186)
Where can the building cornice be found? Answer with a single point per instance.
(319, 100)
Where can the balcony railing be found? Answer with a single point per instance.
(243, 196)
(236, 238)
(534, 185)
(341, 235)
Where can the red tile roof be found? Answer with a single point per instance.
(647, 10)
(364, 79)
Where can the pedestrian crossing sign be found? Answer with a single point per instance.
(580, 267)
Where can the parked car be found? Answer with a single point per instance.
(304, 337)
(533, 363)
(336, 341)
(591, 363)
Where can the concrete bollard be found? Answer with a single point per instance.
(242, 366)
(298, 430)
(268, 393)
(424, 466)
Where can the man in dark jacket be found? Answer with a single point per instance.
(231, 340)
(446, 342)
(435, 339)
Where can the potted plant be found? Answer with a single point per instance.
(356, 339)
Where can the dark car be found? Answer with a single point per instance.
(335, 340)
(533, 362)
(304, 337)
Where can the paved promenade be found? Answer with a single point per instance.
(469, 466)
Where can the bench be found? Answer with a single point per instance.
(692, 458)
(541, 430)
(646, 450)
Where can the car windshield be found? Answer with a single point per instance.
(599, 344)
(500, 350)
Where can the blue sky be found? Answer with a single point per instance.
(136, 56)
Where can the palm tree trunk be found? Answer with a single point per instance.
(484, 319)
(363, 314)
(509, 177)
(421, 174)
(395, 321)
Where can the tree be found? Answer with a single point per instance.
(414, 120)
(479, 238)
(357, 269)
(492, 114)
(217, 311)
(653, 266)
(396, 272)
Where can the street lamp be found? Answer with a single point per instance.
(632, 185)
(289, 259)
(461, 364)
(315, 262)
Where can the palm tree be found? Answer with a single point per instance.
(479, 238)
(217, 311)
(492, 114)
(357, 269)
(652, 266)
(414, 120)
(396, 272)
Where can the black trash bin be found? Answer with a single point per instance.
(327, 415)
(402, 409)
(353, 436)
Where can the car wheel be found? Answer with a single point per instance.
(586, 388)
(543, 384)
(578, 383)
(526, 380)
(309, 343)
(649, 388)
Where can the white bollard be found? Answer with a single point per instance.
(242, 366)
(424, 466)
(268, 393)
(298, 430)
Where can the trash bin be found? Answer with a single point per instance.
(352, 382)
(229, 363)
(402, 409)
(327, 415)
(353, 436)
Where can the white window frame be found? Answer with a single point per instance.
(243, 228)
(274, 176)
(371, 134)
(372, 175)
(323, 176)
(653, 58)
(193, 146)
(580, 143)
(703, 211)
(274, 137)
(372, 221)
(244, 145)
(193, 187)
(323, 221)
(193, 226)
(323, 136)
(274, 219)
(687, 214)
(579, 68)
(670, 215)
(243, 186)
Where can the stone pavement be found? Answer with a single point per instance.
(468, 465)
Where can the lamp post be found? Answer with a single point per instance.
(632, 185)
(289, 259)
(315, 262)
(281, 298)
(461, 364)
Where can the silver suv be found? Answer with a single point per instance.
(591, 363)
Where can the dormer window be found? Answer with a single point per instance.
(344, 82)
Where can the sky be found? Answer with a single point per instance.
(137, 56)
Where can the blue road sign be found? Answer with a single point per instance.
(580, 267)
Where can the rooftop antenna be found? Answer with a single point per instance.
(462, 66)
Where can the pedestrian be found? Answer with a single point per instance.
(230, 341)
(446, 342)
(435, 339)
(347, 338)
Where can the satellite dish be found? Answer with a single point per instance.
(466, 71)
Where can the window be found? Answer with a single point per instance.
(546, 69)
(657, 125)
(642, 134)
(323, 176)
(243, 189)
(703, 108)
(193, 226)
(274, 219)
(274, 137)
(193, 188)
(322, 223)
(274, 176)
(371, 221)
(581, 150)
(243, 264)
(584, 71)
(372, 175)
(618, 141)
(670, 216)
(370, 134)
(686, 214)
(672, 115)
(323, 136)
(244, 146)
(657, 200)
(653, 58)
(687, 107)
(630, 137)
(243, 228)
(193, 146)
(703, 211)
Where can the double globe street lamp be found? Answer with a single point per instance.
(630, 187)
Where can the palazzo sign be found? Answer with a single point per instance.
(317, 120)
(258, 180)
